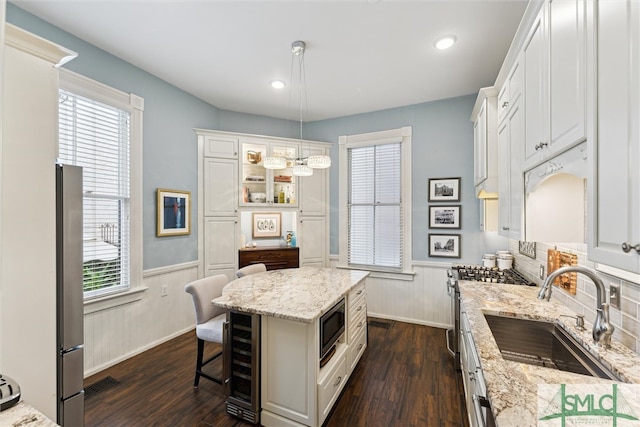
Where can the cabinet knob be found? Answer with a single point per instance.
(505, 104)
(627, 247)
(541, 146)
(505, 228)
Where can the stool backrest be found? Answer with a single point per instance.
(203, 291)
(251, 269)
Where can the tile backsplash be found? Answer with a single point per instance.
(626, 319)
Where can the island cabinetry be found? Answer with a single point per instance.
(272, 258)
(614, 134)
(356, 325)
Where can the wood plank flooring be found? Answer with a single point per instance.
(405, 378)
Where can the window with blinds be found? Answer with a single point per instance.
(375, 206)
(96, 136)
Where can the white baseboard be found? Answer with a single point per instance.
(409, 320)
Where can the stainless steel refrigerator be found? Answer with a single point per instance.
(69, 297)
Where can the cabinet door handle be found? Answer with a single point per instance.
(541, 146)
(359, 292)
(338, 381)
(505, 104)
(627, 247)
(360, 346)
(359, 308)
(359, 324)
(505, 228)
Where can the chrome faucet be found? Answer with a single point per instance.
(602, 328)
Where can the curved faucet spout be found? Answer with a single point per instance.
(602, 328)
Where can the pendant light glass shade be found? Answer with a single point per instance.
(319, 162)
(302, 170)
(274, 163)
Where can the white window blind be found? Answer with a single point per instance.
(96, 136)
(375, 206)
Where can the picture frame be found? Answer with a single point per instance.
(445, 216)
(444, 245)
(173, 212)
(266, 224)
(527, 249)
(444, 189)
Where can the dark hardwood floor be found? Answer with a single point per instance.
(405, 378)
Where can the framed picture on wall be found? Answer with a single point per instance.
(444, 189)
(444, 245)
(266, 224)
(444, 216)
(173, 212)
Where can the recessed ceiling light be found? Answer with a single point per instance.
(444, 42)
(278, 84)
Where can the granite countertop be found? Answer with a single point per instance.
(300, 294)
(512, 388)
(24, 415)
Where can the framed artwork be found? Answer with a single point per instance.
(444, 189)
(527, 249)
(173, 212)
(444, 216)
(266, 224)
(444, 245)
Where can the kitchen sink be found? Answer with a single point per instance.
(544, 344)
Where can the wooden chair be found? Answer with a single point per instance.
(209, 319)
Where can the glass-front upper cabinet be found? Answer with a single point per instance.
(267, 186)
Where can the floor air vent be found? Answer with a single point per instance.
(378, 324)
(99, 386)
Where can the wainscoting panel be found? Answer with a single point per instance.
(423, 301)
(123, 327)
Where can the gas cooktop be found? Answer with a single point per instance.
(480, 273)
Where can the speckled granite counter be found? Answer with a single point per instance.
(300, 294)
(24, 415)
(512, 387)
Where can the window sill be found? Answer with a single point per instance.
(114, 300)
(383, 274)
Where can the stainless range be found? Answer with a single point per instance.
(477, 273)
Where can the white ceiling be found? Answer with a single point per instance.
(361, 56)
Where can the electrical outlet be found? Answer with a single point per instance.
(163, 291)
(614, 296)
(541, 272)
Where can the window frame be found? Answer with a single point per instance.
(133, 104)
(402, 136)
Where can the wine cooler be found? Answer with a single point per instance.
(243, 366)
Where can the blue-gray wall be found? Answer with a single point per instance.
(442, 145)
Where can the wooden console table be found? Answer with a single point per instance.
(274, 258)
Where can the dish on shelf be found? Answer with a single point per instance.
(258, 197)
(257, 178)
(282, 178)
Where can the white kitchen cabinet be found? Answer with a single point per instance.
(485, 140)
(314, 189)
(220, 187)
(511, 183)
(313, 235)
(220, 247)
(614, 133)
(221, 146)
(510, 91)
(567, 74)
(536, 104)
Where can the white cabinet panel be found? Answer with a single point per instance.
(313, 189)
(312, 233)
(221, 146)
(221, 235)
(567, 66)
(220, 187)
(614, 133)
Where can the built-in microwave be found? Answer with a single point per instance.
(332, 326)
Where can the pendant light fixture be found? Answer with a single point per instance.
(305, 166)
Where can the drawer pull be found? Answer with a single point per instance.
(359, 292)
(360, 346)
(627, 247)
(359, 308)
(505, 104)
(360, 324)
(338, 381)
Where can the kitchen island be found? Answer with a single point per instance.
(294, 389)
(511, 387)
